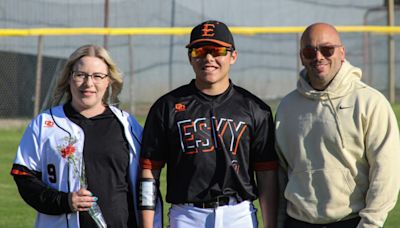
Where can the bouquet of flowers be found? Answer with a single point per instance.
(68, 152)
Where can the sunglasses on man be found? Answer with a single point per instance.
(326, 50)
(202, 52)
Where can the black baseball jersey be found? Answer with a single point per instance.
(211, 144)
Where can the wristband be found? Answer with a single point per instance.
(147, 193)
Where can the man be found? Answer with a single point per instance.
(212, 135)
(337, 140)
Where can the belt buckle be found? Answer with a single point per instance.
(222, 200)
(214, 204)
(219, 201)
(211, 204)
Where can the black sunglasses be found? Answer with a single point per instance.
(326, 50)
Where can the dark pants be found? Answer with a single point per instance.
(294, 223)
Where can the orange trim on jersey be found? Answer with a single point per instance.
(20, 173)
(151, 164)
(223, 129)
(191, 135)
(209, 150)
(261, 166)
(201, 125)
(192, 152)
(238, 139)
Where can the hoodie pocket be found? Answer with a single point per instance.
(320, 194)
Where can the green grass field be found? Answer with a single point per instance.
(15, 213)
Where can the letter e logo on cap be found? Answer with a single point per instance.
(208, 30)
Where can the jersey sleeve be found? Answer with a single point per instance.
(28, 152)
(263, 144)
(37, 195)
(27, 175)
(154, 142)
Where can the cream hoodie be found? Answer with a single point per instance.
(339, 150)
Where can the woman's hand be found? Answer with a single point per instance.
(81, 200)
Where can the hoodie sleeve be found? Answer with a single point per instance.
(382, 143)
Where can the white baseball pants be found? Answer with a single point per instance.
(236, 215)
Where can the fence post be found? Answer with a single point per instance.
(38, 82)
(106, 16)
(391, 55)
(171, 48)
(298, 59)
(132, 91)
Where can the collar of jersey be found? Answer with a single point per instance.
(218, 99)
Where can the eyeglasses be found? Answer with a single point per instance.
(326, 50)
(80, 76)
(202, 52)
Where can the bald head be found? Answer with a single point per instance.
(325, 31)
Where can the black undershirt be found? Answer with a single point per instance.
(106, 156)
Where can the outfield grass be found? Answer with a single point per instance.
(14, 212)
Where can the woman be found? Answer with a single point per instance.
(83, 153)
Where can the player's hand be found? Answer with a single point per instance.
(81, 200)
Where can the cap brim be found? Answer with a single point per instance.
(223, 44)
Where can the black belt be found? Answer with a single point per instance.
(219, 201)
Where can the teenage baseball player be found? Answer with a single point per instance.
(212, 135)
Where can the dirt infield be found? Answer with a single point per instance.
(13, 123)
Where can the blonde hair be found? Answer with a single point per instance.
(62, 92)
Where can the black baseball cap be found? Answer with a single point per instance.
(211, 32)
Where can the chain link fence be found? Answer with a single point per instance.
(152, 65)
